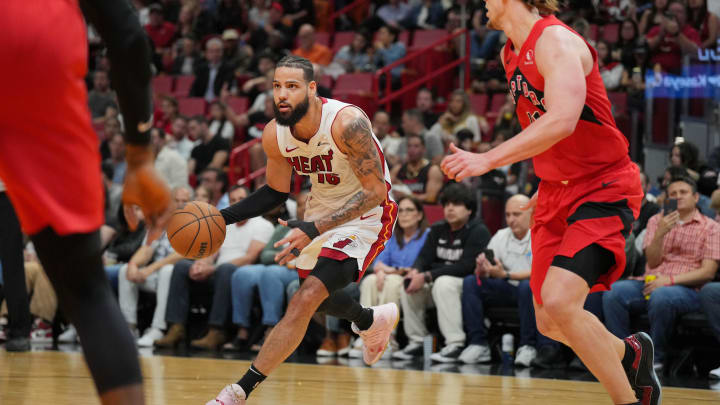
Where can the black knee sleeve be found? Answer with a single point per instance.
(335, 274)
(74, 266)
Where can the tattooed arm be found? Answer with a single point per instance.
(352, 133)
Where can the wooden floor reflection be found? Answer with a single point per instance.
(58, 378)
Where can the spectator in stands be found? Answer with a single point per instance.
(424, 15)
(686, 155)
(634, 79)
(213, 150)
(705, 22)
(459, 116)
(202, 194)
(243, 244)
(412, 124)
(214, 181)
(101, 96)
(389, 49)
(116, 144)
(420, 177)
(160, 31)
(170, 165)
(150, 269)
(113, 194)
(299, 12)
(483, 40)
(682, 248)
(311, 50)
(125, 243)
(230, 13)
(582, 27)
(653, 17)
(181, 141)
(212, 73)
(504, 281)
(259, 14)
(424, 103)
(610, 70)
(196, 20)
(385, 284)
(219, 122)
(648, 208)
(356, 56)
(111, 127)
(391, 143)
(260, 37)
(167, 114)
(236, 55)
(627, 43)
(187, 57)
(447, 256)
(710, 303)
(262, 83)
(270, 278)
(394, 12)
(672, 39)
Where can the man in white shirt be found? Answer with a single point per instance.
(243, 243)
(170, 165)
(503, 280)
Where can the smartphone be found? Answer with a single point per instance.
(490, 256)
(670, 206)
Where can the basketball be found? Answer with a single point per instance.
(197, 230)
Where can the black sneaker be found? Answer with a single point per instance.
(411, 351)
(641, 373)
(18, 344)
(448, 354)
(549, 357)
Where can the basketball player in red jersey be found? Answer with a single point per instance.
(589, 195)
(50, 162)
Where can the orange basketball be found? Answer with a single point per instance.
(197, 230)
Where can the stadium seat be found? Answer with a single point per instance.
(479, 103)
(497, 101)
(162, 84)
(326, 81)
(322, 38)
(424, 38)
(190, 106)
(611, 33)
(593, 32)
(618, 100)
(183, 85)
(341, 39)
(353, 83)
(433, 213)
(239, 104)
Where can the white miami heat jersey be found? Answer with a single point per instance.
(333, 180)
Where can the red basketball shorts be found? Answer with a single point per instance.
(49, 155)
(572, 215)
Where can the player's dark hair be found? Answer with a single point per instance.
(685, 179)
(459, 193)
(297, 62)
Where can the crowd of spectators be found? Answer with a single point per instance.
(458, 247)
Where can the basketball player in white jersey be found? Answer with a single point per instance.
(349, 216)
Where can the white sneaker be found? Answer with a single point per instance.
(356, 351)
(149, 337)
(715, 374)
(376, 339)
(232, 394)
(69, 336)
(525, 355)
(411, 351)
(474, 354)
(448, 354)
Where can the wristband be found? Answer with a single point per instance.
(308, 227)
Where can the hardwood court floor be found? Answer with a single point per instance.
(58, 378)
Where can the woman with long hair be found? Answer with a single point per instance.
(653, 16)
(704, 21)
(610, 70)
(459, 116)
(385, 283)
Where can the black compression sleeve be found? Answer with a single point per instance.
(257, 203)
(129, 54)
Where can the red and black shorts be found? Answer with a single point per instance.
(586, 218)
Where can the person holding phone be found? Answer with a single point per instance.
(672, 39)
(682, 247)
(502, 278)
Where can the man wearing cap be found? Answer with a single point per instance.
(237, 56)
(160, 31)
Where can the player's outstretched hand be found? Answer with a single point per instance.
(146, 189)
(296, 241)
(462, 164)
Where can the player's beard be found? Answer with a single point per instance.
(294, 116)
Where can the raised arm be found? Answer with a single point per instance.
(275, 192)
(353, 136)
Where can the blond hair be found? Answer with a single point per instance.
(545, 7)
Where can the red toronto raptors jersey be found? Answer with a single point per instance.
(596, 142)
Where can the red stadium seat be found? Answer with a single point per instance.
(341, 39)
(322, 38)
(239, 104)
(433, 213)
(618, 100)
(326, 81)
(479, 103)
(162, 84)
(593, 32)
(190, 106)
(497, 101)
(424, 38)
(611, 33)
(353, 83)
(183, 85)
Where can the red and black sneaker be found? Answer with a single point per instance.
(641, 373)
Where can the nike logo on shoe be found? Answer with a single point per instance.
(363, 218)
(288, 150)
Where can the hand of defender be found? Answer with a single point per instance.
(144, 188)
(462, 164)
(296, 241)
